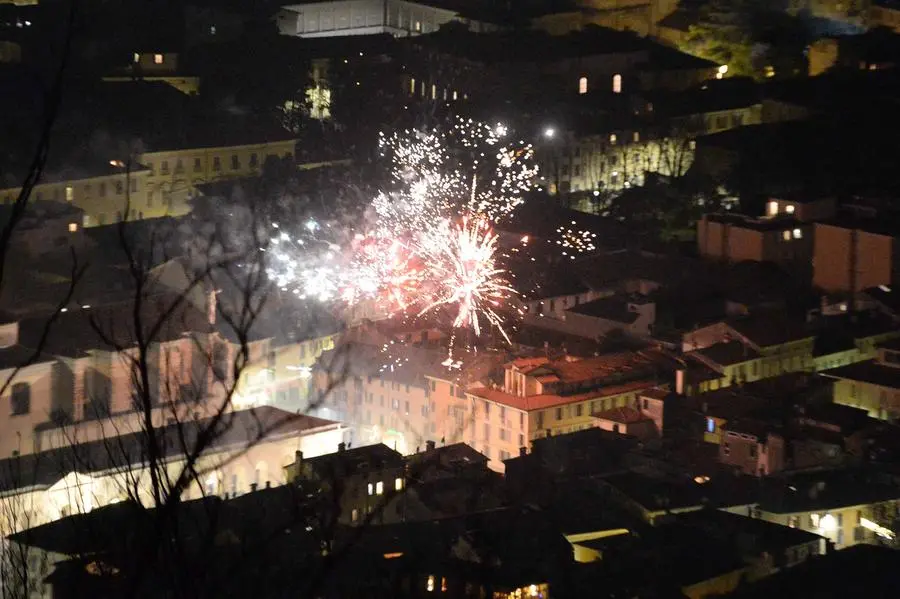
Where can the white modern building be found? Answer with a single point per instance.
(366, 17)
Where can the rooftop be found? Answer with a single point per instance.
(727, 353)
(768, 330)
(623, 415)
(823, 489)
(539, 402)
(869, 371)
(615, 308)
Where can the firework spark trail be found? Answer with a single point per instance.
(430, 243)
(463, 269)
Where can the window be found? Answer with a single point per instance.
(814, 520)
(793, 521)
(559, 413)
(371, 489)
(395, 404)
(790, 208)
(521, 420)
(70, 193)
(487, 431)
(582, 85)
(798, 233)
(612, 138)
(217, 163)
(254, 160)
(118, 188)
(521, 440)
(617, 84)
(753, 450)
(136, 57)
(726, 449)
(786, 235)
(636, 137)
(198, 165)
(235, 162)
(157, 59)
(412, 86)
(540, 420)
(20, 399)
(398, 484)
(101, 190)
(379, 488)
(429, 584)
(772, 208)
(354, 515)
(710, 425)
(134, 185)
(164, 167)
(579, 409)
(73, 227)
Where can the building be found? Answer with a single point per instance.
(541, 397)
(157, 66)
(399, 18)
(854, 251)
(75, 479)
(885, 13)
(848, 507)
(378, 485)
(106, 192)
(871, 385)
(782, 240)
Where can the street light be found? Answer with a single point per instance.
(549, 132)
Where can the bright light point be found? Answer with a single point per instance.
(500, 130)
(549, 132)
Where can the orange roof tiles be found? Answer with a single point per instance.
(624, 415)
(540, 402)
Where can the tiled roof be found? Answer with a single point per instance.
(623, 415)
(539, 402)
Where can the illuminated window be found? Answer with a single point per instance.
(254, 160)
(418, 26)
(137, 57)
(455, 95)
(798, 234)
(433, 92)
(710, 425)
(398, 484)
(443, 584)
(371, 489)
(198, 165)
(157, 59)
(772, 208)
(790, 208)
(70, 193)
(636, 137)
(617, 84)
(814, 520)
(612, 138)
(354, 515)
(429, 584)
(379, 488)
(235, 162)
(786, 235)
(692, 144)
(582, 85)
(73, 227)
(412, 86)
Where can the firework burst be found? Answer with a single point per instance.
(462, 267)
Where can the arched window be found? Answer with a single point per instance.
(20, 398)
(582, 85)
(617, 84)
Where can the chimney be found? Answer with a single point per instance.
(341, 446)
(253, 487)
(523, 451)
(211, 306)
(549, 433)
(298, 457)
(429, 445)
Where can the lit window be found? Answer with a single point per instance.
(398, 484)
(617, 84)
(790, 208)
(786, 235)
(612, 138)
(412, 86)
(692, 144)
(70, 193)
(636, 137)
(212, 29)
(157, 59)
(814, 520)
(773, 208)
(371, 489)
(582, 85)
(354, 515)
(137, 57)
(443, 584)
(433, 92)
(379, 488)
(429, 584)
(710, 425)
(455, 95)
(73, 227)
(418, 26)
(798, 234)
